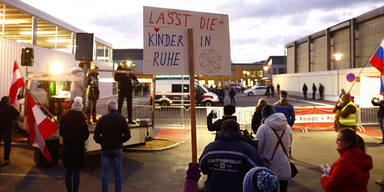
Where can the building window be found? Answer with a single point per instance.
(15, 24)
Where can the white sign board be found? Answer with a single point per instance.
(166, 42)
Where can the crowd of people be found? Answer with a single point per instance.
(232, 163)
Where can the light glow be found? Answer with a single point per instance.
(338, 56)
(55, 68)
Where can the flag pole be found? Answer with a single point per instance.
(41, 105)
(358, 75)
(192, 94)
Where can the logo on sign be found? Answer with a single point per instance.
(350, 77)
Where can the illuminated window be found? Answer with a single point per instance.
(16, 25)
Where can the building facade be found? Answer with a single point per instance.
(53, 41)
(328, 56)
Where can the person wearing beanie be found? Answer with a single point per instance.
(286, 108)
(275, 126)
(229, 110)
(261, 179)
(228, 159)
(74, 131)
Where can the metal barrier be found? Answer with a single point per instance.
(368, 116)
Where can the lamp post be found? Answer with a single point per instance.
(337, 58)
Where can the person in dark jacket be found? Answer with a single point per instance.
(8, 114)
(282, 106)
(314, 89)
(305, 90)
(229, 110)
(256, 118)
(125, 88)
(380, 114)
(93, 91)
(232, 93)
(228, 159)
(221, 95)
(111, 132)
(321, 91)
(278, 89)
(74, 131)
(351, 171)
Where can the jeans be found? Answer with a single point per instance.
(114, 156)
(381, 122)
(6, 135)
(72, 179)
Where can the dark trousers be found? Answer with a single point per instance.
(91, 108)
(305, 95)
(72, 179)
(233, 101)
(283, 185)
(381, 122)
(120, 102)
(314, 95)
(6, 136)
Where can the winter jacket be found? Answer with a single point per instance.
(112, 131)
(380, 112)
(216, 126)
(349, 173)
(124, 82)
(8, 113)
(74, 130)
(93, 91)
(77, 87)
(226, 161)
(340, 111)
(256, 120)
(267, 141)
(287, 109)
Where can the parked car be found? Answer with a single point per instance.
(237, 86)
(256, 90)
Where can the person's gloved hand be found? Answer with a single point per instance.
(193, 172)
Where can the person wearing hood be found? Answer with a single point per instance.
(351, 171)
(228, 159)
(77, 87)
(269, 146)
(74, 131)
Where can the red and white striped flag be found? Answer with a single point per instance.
(39, 127)
(17, 83)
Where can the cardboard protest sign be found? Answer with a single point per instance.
(166, 42)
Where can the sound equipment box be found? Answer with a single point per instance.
(27, 56)
(84, 46)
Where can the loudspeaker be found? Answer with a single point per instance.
(27, 56)
(84, 46)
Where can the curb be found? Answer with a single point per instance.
(154, 149)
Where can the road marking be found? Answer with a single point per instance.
(311, 102)
(30, 175)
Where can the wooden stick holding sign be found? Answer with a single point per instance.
(192, 95)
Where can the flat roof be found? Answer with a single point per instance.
(38, 13)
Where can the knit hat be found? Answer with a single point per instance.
(267, 111)
(261, 179)
(77, 104)
(283, 94)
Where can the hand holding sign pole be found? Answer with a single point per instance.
(192, 95)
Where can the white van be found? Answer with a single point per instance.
(169, 91)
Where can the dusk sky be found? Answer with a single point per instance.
(258, 28)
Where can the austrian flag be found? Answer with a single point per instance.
(39, 127)
(17, 83)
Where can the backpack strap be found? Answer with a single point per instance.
(278, 142)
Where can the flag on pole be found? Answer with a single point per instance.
(39, 127)
(17, 83)
(377, 62)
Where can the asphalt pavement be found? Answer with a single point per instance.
(165, 170)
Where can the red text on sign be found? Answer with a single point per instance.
(207, 23)
(169, 18)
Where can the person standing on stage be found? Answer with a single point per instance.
(93, 92)
(125, 87)
(8, 113)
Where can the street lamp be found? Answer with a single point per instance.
(337, 58)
